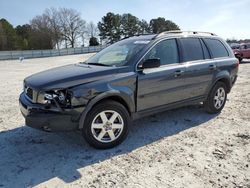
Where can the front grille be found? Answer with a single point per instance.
(28, 92)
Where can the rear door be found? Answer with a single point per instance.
(165, 84)
(200, 69)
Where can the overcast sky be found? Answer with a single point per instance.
(227, 18)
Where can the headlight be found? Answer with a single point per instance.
(51, 97)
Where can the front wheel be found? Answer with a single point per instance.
(106, 125)
(216, 98)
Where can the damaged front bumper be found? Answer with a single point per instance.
(39, 116)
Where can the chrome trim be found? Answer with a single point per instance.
(165, 67)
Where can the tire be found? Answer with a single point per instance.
(216, 99)
(98, 129)
(240, 59)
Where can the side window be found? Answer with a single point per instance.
(216, 48)
(166, 51)
(242, 47)
(191, 49)
(205, 50)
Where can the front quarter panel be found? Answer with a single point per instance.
(122, 85)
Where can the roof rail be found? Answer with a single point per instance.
(187, 32)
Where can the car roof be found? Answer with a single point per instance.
(234, 44)
(175, 33)
(247, 43)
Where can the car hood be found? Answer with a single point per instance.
(69, 76)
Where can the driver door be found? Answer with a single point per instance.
(165, 84)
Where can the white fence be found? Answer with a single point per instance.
(5, 55)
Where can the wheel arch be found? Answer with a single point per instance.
(222, 77)
(226, 81)
(110, 95)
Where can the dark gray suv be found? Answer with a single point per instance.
(130, 79)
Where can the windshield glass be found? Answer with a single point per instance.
(119, 53)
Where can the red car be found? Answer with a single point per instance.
(243, 52)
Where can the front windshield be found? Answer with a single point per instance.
(119, 53)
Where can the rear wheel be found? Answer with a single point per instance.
(216, 98)
(106, 125)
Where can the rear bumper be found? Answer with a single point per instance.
(36, 116)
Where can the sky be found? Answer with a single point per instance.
(226, 18)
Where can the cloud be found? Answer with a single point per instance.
(225, 19)
(217, 20)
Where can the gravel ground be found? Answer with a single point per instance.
(179, 148)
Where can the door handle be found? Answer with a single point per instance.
(212, 67)
(178, 73)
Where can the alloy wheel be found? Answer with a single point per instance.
(219, 97)
(107, 126)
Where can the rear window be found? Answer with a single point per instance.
(216, 48)
(243, 47)
(191, 49)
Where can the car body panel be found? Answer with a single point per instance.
(69, 76)
(245, 50)
(199, 76)
(159, 86)
(242, 51)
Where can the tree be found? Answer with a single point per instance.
(41, 36)
(53, 19)
(23, 36)
(92, 33)
(159, 25)
(7, 36)
(92, 29)
(72, 26)
(110, 27)
(130, 25)
(144, 27)
(93, 41)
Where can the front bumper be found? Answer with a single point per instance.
(38, 117)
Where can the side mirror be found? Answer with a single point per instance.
(151, 63)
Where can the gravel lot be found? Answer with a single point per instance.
(179, 148)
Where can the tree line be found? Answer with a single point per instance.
(63, 28)
(113, 27)
(230, 41)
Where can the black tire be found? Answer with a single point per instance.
(240, 59)
(108, 105)
(209, 104)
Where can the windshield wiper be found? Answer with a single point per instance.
(98, 64)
